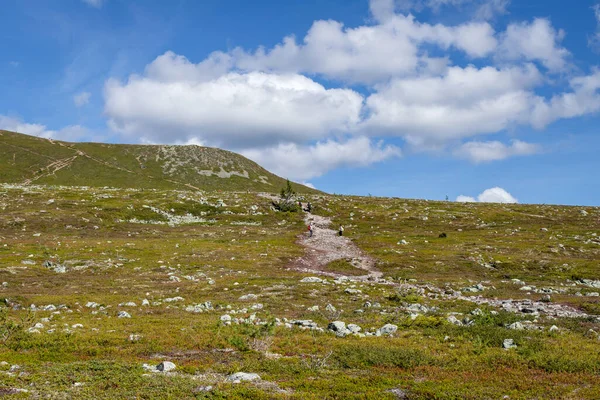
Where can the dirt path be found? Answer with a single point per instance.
(326, 246)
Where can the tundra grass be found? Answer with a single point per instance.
(118, 249)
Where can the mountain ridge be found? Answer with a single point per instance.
(26, 160)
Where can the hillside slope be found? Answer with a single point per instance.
(32, 160)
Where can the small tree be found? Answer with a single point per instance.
(286, 199)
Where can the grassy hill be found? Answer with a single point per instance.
(32, 160)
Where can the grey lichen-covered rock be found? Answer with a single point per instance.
(388, 329)
(353, 328)
(312, 279)
(123, 314)
(248, 297)
(339, 328)
(516, 326)
(453, 320)
(330, 308)
(166, 366)
(243, 376)
(509, 344)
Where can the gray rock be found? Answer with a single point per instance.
(388, 329)
(453, 320)
(123, 314)
(312, 279)
(353, 328)
(165, 366)
(248, 297)
(509, 344)
(339, 328)
(330, 308)
(516, 326)
(242, 376)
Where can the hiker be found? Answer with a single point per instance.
(310, 229)
(341, 231)
(308, 207)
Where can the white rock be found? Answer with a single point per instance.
(242, 376)
(509, 344)
(123, 314)
(516, 326)
(248, 297)
(165, 366)
(173, 299)
(312, 279)
(388, 329)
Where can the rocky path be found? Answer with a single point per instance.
(326, 246)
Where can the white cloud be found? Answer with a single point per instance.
(94, 3)
(367, 54)
(465, 199)
(462, 103)
(70, 133)
(305, 162)
(234, 110)
(493, 195)
(584, 98)
(479, 152)
(496, 195)
(81, 99)
(535, 41)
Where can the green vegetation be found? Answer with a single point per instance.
(171, 251)
(27, 159)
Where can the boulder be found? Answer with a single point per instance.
(165, 366)
(243, 376)
(388, 329)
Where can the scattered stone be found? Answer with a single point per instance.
(165, 366)
(312, 279)
(134, 337)
(123, 314)
(453, 320)
(173, 299)
(248, 297)
(509, 344)
(242, 376)
(339, 328)
(516, 326)
(313, 308)
(388, 329)
(128, 304)
(330, 308)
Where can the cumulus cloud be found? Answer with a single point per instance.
(368, 54)
(81, 99)
(462, 103)
(235, 110)
(479, 152)
(584, 98)
(493, 195)
(465, 199)
(535, 41)
(69, 133)
(94, 3)
(306, 162)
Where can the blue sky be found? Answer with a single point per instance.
(477, 100)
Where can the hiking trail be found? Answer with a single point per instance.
(326, 246)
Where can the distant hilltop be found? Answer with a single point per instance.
(29, 160)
